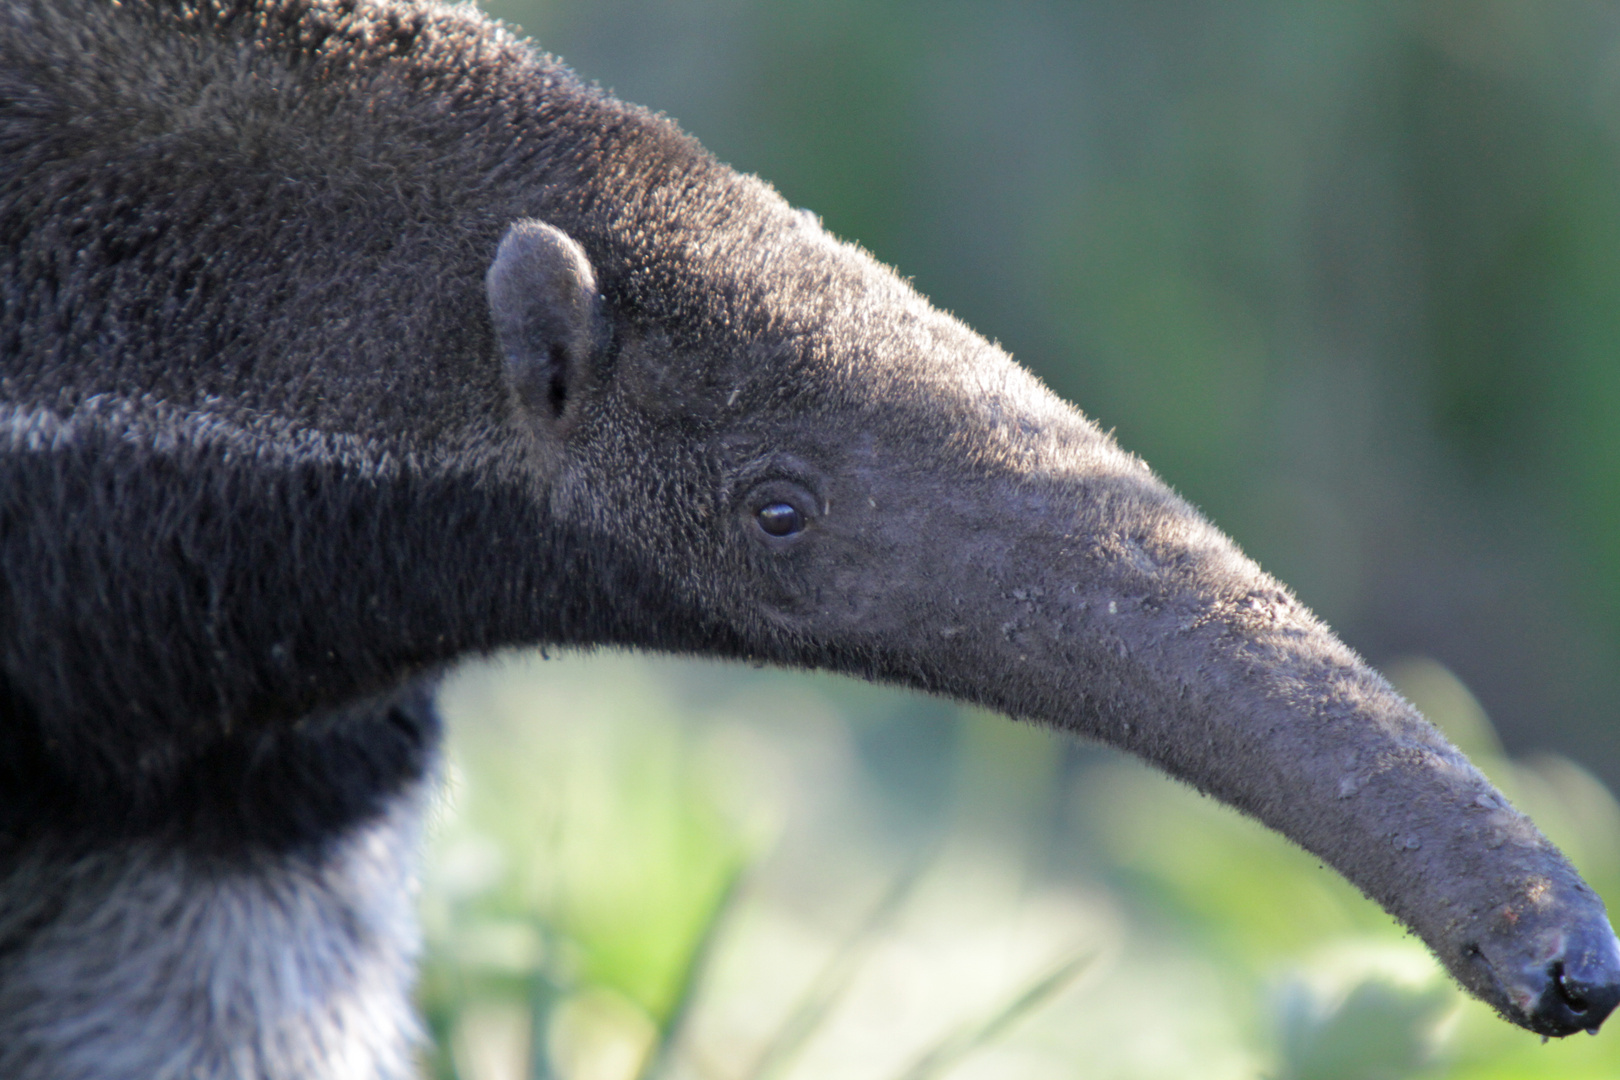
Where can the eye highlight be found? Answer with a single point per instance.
(779, 519)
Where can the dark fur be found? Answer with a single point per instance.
(278, 443)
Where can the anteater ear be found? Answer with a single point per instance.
(542, 296)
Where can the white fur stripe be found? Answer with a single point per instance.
(144, 963)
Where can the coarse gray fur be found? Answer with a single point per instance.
(341, 340)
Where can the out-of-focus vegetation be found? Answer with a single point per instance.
(1349, 277)
(666, 869)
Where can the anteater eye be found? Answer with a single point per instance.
(780, 519)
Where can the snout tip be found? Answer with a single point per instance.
(1578, 987)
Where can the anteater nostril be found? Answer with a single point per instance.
(1567, 990)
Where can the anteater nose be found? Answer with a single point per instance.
(1582, 985)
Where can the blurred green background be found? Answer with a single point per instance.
(1348, 276)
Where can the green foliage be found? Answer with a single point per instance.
(573, 860)
(1379, 1032)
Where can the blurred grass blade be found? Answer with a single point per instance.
(669, 1033)
(834, 979)
(949, 1051)
(543, 1000)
